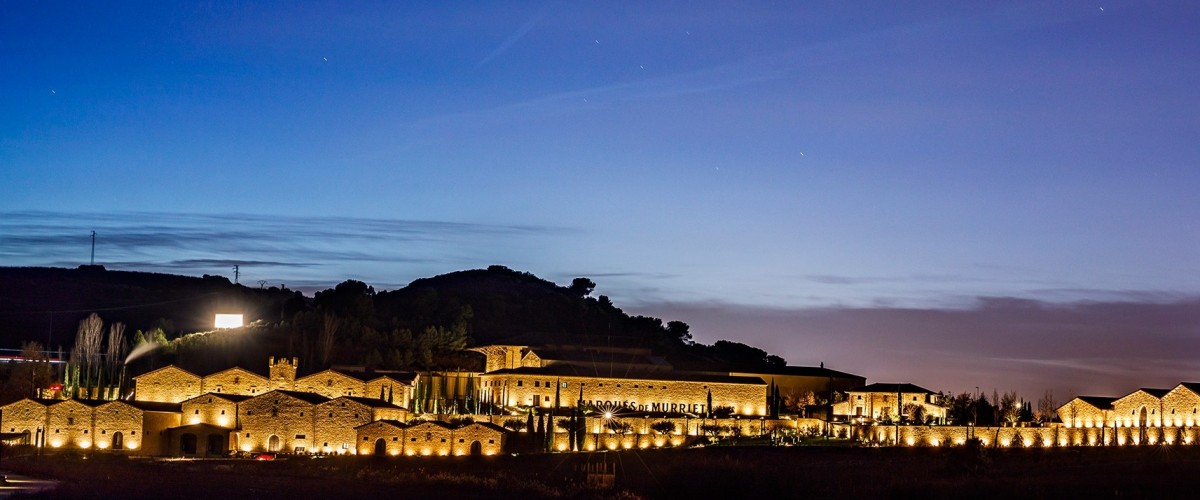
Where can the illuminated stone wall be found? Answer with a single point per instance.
(236, 381)
(1056, 435)
(338, 418)
(400, 391)
(118, 417)
(511, 389)
(1181, 407)
(26, 415)
(430, 438)
(332, 384)
(210, 409)
(169, 384)
(288, 417)
(391, 432)
(1079, 413)
(69, 424)
(154, 431)
(282, 373)
(1136, 409)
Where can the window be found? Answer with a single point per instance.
(330, 414)
(491, 441)
(537, 383)
(443, 440)
(635, 386)
(564, 385)
(299, 436)
(247, 434)
(70, 420)
(366, 438)
(461, 440)
(197, 411)
(132, 433)
(520, 383)
(102, 431)
(222, 412)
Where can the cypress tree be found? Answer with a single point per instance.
(571, 432)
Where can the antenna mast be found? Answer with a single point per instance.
(236, 274)
(93, 248)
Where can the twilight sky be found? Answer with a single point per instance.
(953, 194)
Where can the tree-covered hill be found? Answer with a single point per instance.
(424, 325)
(46, 304)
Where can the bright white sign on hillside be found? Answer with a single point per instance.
(228, 321)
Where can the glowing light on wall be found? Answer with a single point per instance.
(223, 321)
(102, 445)
(85, 444)
(223, 421)
(56, 443)
(245, 447)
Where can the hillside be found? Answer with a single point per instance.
(423, 325)
(46, 304)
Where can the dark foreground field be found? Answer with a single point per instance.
(731, 472)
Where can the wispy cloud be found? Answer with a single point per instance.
(318, 249)
(510, 41)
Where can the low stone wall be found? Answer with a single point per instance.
(1057, 435)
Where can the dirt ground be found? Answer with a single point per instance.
(730, 472)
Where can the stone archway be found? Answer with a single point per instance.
(380, 447)
(273, 443)
(476, 448)
(118, 441)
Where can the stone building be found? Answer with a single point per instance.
(279, 421)
(430, 438)
(174, 385)
(28, 417)
(214, 408)
(1086, 411)
(880, 401)
(338, 418)
(647, 391)
(169, 384)
(1181, 405)
(235, 380)
(1140, 408)
(113, 425)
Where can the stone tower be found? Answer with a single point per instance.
(283, 373)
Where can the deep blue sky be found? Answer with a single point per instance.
(704, 161)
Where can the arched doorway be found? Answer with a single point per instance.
(118, 441)
(215, 447)
(380, 447)
(187, 444)
(1142, 417)
(273, 443)
(476, 448)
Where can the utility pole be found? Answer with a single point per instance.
(93, 262)
(236, 274)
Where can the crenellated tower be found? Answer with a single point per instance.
(283, 373)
